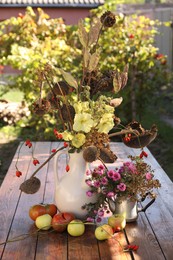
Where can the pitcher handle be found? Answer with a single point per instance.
(57, 179)
(143, 209)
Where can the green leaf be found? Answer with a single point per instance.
(69, 79)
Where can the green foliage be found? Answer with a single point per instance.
(28, 42)
(132, 41)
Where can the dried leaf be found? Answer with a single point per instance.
(93, 62)
(94, 32)
(125, 76)
(116, 102)
(83, 35)
(87, 57)
(69, 79)
(117, 83)
(31, 185)
(120, 79)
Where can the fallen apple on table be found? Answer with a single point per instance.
(43, 222)
(76, 228)
(61, 220)
(103, 232)
(41, 209)
(117, 222)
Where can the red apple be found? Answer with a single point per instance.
(61, 220)
(41, 209)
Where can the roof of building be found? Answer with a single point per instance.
(51, 3)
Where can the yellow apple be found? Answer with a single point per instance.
(117, 221)
(104, 232)
(76, 228)
(43, 222)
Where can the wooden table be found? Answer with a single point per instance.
(153, 231)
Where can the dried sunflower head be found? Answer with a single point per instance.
(41, 106)
(108, 19)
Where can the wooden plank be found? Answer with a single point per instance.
(111, 249)
(160, 214)
(54, 244)
(10, 194)
(83, 247)
(22, 224)
(141, 234)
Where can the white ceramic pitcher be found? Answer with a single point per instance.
(70, 187)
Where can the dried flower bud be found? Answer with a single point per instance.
(90, 154)
(108, 19)
(107, 155)
(30, 186)
(40, 107)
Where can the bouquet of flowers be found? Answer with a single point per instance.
(134, 180)
(85, 108)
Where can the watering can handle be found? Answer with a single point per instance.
(57, 179)
(143, 209)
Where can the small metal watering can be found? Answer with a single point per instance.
(128, 207)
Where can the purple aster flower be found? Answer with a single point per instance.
(121, 169)
(100, 213)
(101, 167)
(131, 166)
(110, 194)
(89, 219)
(88, 172)
(89, 193)
(116, 176)
(96, 184)
(104, 181)
(121, 186)
(100, 172)
(98, 219)
(110, 174)
(88, 182)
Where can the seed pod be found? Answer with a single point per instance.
(90, 154)
(108, 19)
(107, 155)
(40, 107)
(30, 186)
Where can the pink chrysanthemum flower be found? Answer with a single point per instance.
(110, 194)
(148, 176)
(104, 181)
(110, 174)
(101, 167)
(89, 193)
(131, 167)
(88, 172)
(121, 186)
(116, 176)
(96, 184)
(88, 182)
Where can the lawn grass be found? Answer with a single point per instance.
(162, 146)
(13, 95)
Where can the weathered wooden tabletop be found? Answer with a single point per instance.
(153, 231)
